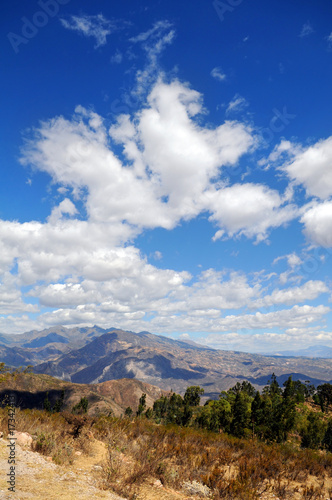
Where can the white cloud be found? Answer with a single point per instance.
(11, 300)
(171, 160)
(318, 224)
(308, 166)
(154, 32)
(250, 210)
(91, 26)
(294, 338)
(218, 74)
(66, 207)
(312, 168)
(82, 263)
(293, 260)
(329, 41)
(295, 295)
(306, 30)
(153, 42)
(237, 104)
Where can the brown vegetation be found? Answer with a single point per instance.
(231, 468)
(215, 465)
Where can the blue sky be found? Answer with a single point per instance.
(167, 167)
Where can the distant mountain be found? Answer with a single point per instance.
(51, 338)
(318, 351)
(95, 355)
(76, 337)
(174, 364)
(39, 346)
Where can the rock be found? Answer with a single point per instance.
(23, 438)
(97, 467)
(78, 453)
(49, 459)
(196, 488)
(158, 484)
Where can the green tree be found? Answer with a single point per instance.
(59, 403)
(314, 432)
(160, 407)
(81, 407)
(128, 411)
(327, 439)
(192, 395)
(257, 415)
(141, 405)
(47, 404)
(324, 393)
(241, 416)
(186, 415)
(149, 413)
(215, 415)
(175, 411)
(245, 387)
(272, 389)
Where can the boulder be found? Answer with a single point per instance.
(23, 438)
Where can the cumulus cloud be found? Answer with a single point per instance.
(295, 295)
(249, 210)
(307, 166)
(170, 159)
(318, 224)
(81, 263)
(272, 342)
(91, 26)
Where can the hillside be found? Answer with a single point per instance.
(172, 364)
(114, 396)
(94, 355)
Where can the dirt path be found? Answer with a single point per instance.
(38, 478)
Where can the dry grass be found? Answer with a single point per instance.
(230, 467)
(140, 451)
(53, 435)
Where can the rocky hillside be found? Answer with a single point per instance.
(171, 364)
(114, 396)
(94, 355)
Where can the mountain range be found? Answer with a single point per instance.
(314, 351)
(94, 355)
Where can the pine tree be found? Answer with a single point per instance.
(241, 416)
(327, 440)
(192, 395)
(141, 405)
(47, 404)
